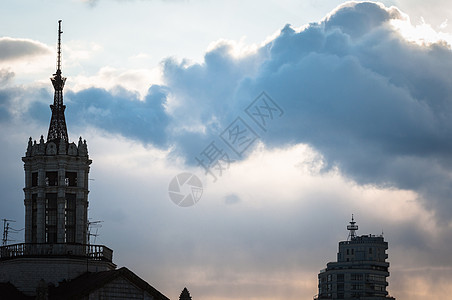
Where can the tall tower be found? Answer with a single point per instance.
(56, 178)
(56, 244)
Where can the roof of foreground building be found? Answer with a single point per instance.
(90, 283)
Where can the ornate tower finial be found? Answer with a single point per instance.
(57, 128)
(352, 227)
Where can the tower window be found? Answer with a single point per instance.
(51, 178)
(71, 179)
(357, 287)
(51, 218)
(358, 277)
(34, 179)
(34, 212)
(70, 218)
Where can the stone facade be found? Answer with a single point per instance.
(25, 273)
(56, 192)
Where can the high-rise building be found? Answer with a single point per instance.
(57, 261)
(361, 270)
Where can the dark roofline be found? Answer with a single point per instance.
(9, 292)
(89, 282)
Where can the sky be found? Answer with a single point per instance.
(342, 108)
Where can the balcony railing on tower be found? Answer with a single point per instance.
(92, 252)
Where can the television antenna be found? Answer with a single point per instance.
(93, 225)
(352, 228)
(6, 229)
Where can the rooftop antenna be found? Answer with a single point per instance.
(5, 231)
(352, 228)
(93, 224)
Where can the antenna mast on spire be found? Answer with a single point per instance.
(59, 47)
(352, 227)
(57, 128)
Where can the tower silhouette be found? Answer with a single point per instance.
(56, 191)
(57, 261)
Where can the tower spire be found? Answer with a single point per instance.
(57, 128)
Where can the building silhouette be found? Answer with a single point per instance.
(56, 261)
(361, 270)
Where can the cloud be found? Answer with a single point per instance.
(14, 48)
(5, 76)
(270, 244)
(374, 104)
(122, 112)
(109, 78)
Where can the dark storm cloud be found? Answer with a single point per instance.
(11, 48)
(122, 112)
(373, 104)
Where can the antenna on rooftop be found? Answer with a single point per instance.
(93, 224)
(352, 228)
(5, 231)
